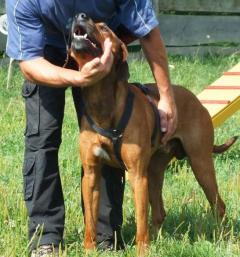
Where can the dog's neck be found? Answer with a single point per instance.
(105, 100)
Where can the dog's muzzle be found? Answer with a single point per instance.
(83, 34)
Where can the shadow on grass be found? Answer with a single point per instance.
(129, 230)
(73, 237)
(195, 225)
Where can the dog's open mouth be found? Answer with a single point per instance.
(84, 41)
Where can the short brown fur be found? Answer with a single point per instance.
(145, 163)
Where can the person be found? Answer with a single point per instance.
(37, 36)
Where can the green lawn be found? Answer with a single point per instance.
(189, 229)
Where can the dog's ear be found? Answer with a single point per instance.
(121, 63)
(124, 52)
(123, 71)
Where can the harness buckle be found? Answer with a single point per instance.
(116, 135)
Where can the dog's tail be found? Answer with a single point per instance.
(224, 147)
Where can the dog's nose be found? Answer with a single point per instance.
(82, 17)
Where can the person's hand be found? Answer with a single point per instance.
(168, 115)
(99, 67)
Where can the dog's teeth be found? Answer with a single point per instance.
(85, 36)
(78, 36)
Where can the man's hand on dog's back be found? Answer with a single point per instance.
(168, 114)
(41, 71)
(156, 55)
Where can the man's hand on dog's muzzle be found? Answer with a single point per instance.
(41, 71)
(99, 67)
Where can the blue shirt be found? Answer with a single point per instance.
(34, 23)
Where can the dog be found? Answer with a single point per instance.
(136, 144)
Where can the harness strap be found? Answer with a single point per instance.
(157, 126)
(157, 121)
(115, 135)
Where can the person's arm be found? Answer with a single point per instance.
(24, 19)
(41, 71)
(155, 53)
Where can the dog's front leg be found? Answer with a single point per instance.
(91, 193)
(139, 182)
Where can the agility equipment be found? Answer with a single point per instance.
(222, 97)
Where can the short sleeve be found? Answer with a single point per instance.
(25, 30)
(137, 16)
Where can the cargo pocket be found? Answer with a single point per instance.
(31, 94)
(29, 177)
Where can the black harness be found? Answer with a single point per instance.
(157, 128)
(115, 135)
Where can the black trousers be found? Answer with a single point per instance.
(42, 183)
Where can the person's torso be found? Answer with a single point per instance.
(57, 16)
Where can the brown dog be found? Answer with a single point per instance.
(144, 157)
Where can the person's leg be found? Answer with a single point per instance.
(111, 197)
(110, 209)
(42, 185)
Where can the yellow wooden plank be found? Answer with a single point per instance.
(231, 80)
(220, 112)
(214, 109)
(219, 94)
(235, 68)
(225, 113)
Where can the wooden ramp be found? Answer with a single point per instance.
(222, 97)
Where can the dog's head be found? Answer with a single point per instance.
(87, 41)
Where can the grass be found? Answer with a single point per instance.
(189, 229)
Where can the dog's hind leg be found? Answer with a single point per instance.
(203, 169)
(201, 161)
(157, 165)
